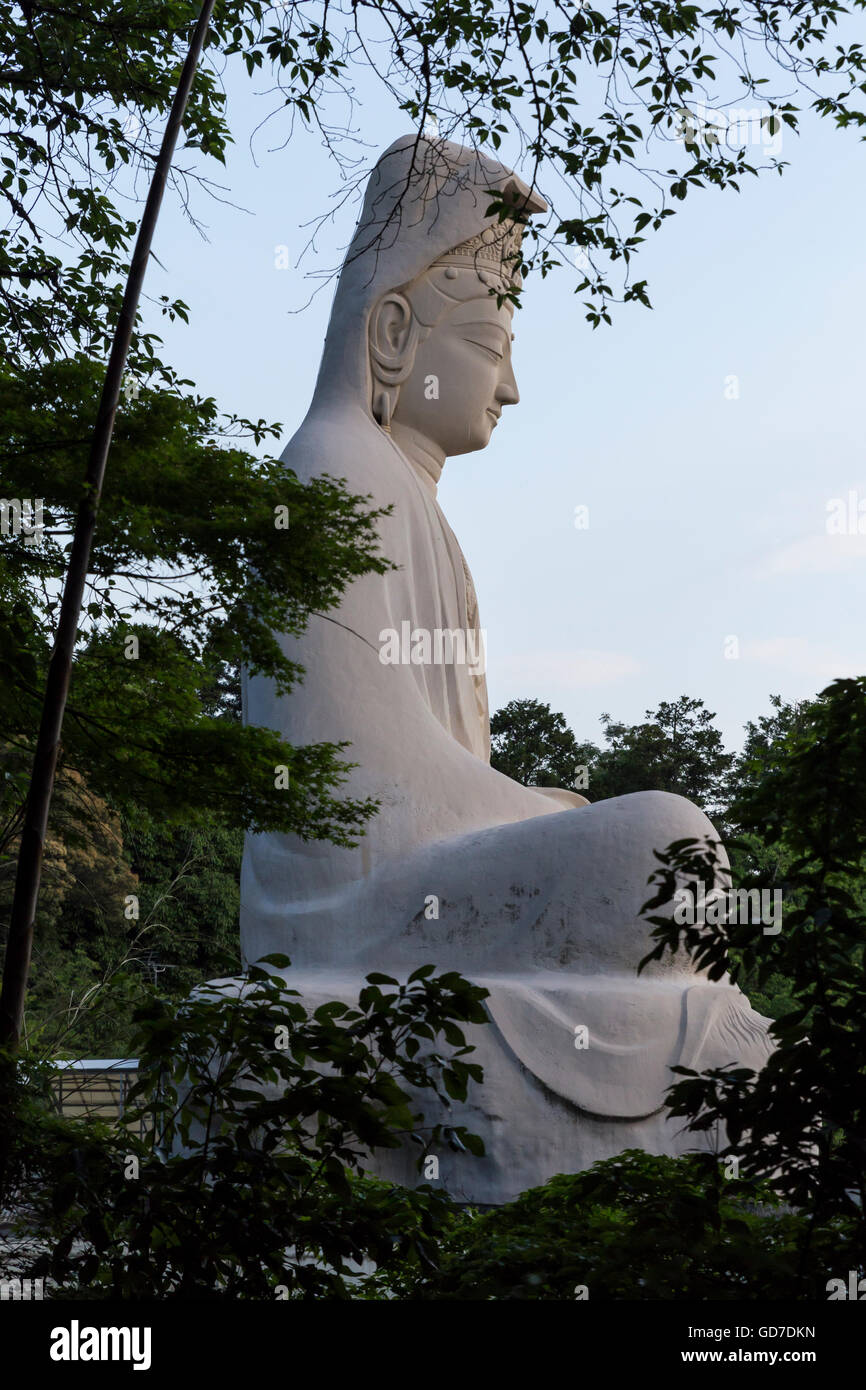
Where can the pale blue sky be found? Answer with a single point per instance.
(707, 515)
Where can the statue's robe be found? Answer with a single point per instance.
(461, 866)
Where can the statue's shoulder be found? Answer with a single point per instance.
(345, 444)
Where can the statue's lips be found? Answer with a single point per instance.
(494, 415)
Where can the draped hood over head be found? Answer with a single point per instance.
(424, 198)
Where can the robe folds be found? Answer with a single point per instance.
(534, 895)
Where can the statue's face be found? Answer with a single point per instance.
(461, 377)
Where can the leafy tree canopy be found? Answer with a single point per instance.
(801, 1122)
(679, 750)
(632, 1227)
(257, 1120)
(534, 745)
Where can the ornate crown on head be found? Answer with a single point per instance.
(495, 251)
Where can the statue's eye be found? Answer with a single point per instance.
(490, 344)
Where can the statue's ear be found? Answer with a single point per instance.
(391, 331)
(394, 337)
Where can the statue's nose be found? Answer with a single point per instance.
(507, 392)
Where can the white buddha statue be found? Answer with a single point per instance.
(533, 893)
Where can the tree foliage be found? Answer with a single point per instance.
(633, 1227)
(533, 744)
(193, 572)
(801, 1122)
(259, 1119)
(678, 749)
(612, 107)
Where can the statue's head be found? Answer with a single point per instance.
(420, 330)
(440, 347)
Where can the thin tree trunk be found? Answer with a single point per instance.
(20, 942)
